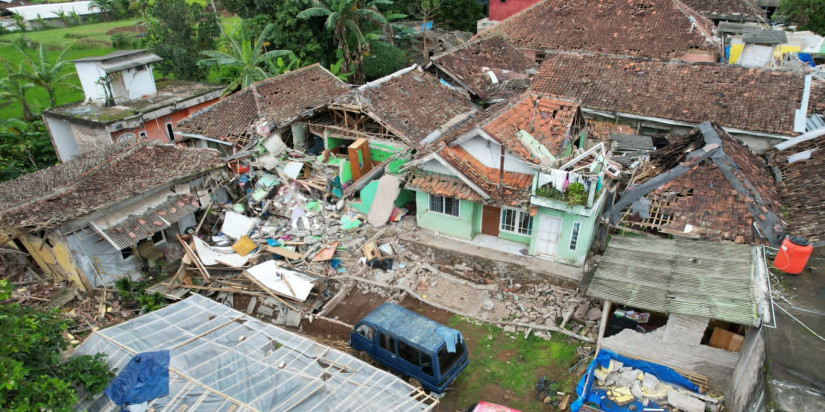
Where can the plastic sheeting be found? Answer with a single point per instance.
(144, 378)
(586, 393)
(451, 337)
(222, 360)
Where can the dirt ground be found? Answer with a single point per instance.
(465, 391)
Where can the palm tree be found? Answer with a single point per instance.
(13, 90)
(347, 21)
(46, 74)
(247, 58)
(75, 18)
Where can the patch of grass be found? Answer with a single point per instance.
(504, 369)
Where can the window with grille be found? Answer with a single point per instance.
(444, 204)
(516, 221)
(574, 235)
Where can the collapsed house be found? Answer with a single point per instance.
(514, 173)
(705, 186)
(728, 10)
(660, 29)
(488, 69)
(222, 359)
(94, 218)
(757, 106)
(123, 101)
(266, 110)
(754, 46)
(695, 306)
(798, 164)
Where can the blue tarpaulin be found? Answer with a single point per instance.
(450, 335)
(586, 393)
(144, 378)
(806, 58)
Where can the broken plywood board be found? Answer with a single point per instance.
(281, 281)
(384, 202)
(326, 253)
(282, 251)
(219, 255)
(236, 225)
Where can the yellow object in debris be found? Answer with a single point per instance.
(244, 245)
(658, 393)
(620, 395)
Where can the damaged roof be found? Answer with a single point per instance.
(742, 10)
(279, 100)
(97, 179)
(503, 188)
(224, 360)
(711, 280)
(706, 185)
(650, 28)
(470, 63)
(802, 167)
(750, 99)
(410, 103)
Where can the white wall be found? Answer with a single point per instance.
(89, 74)
(139, 82)
(63, 138)
(489, 154)
(92, 252)
(436, 167)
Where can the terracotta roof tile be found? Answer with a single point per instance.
(649, 28)
(726, 9)
(441, 185)
(466, 63)
(97, 179)
(801, 188)
(751, 99)
(279, 100)
(412, 104)
(547, 119)
(515, 187)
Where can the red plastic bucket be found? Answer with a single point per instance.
(793, 255)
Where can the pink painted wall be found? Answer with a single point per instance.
(500, 10)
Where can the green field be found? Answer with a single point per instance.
(94, 42)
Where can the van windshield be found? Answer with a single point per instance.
(447, 360)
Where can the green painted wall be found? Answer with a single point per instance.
(465, 226)
(587, 232)
(515, 237)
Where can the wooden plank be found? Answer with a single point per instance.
(725, 339)
(371, 251)
(280, 251)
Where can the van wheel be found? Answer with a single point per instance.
(414, 382)
(364, 356)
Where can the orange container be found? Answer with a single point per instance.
(793, 255)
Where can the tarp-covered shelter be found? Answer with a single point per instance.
(224, 360)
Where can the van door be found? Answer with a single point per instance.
(385, 352)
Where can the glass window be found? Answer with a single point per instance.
(574, 235)
(427, 364)
(408, 353)
(387, 342)
(446, 360)
(516, 221)
(445, 205)
(365, 330)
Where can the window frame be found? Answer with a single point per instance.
(518, 217)
(456, 206)
(574, 236)
(170, 131)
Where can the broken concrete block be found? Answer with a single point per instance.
(600, 374)
(650, 381)
(620, 395)
(614, 365)
(383, 203)
(250, 309)
(581, 311)
(636, 390)
(684, 402)
(594, 314)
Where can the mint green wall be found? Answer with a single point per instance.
(465, 226)
(515, 237)
(568, 216)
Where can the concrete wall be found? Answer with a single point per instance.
(502, 9)
(489, 154)
(464, 226)
(677, 345)
(62, 138)
(748, 383)
(139, 82)
(89, 74)
(54, 256)
(586, 218)
(88, 138)
(155, 128)
(94, 256)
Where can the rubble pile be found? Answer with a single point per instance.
(544, 304)
(624, 385)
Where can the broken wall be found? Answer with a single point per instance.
(54, 256)
(677, 345)
(98, 260)
(748, 383)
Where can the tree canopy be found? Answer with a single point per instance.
(807, 14)
(178, 32)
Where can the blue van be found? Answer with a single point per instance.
(425, 352)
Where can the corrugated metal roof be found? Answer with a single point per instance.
(712, 280)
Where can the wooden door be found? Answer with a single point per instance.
(490, 218)
(548, 237)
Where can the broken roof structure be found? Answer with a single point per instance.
(97, 179)
(747, 101)
(278, 101)
(705, 185)
(222, 359)
(481, 65)
(717, 281)
(659, 29)
(801, 164)
(410, 103)
(728, 10)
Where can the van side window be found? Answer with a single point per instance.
(408, 353)
(427, 364)
(365, 330)
(387, 342)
